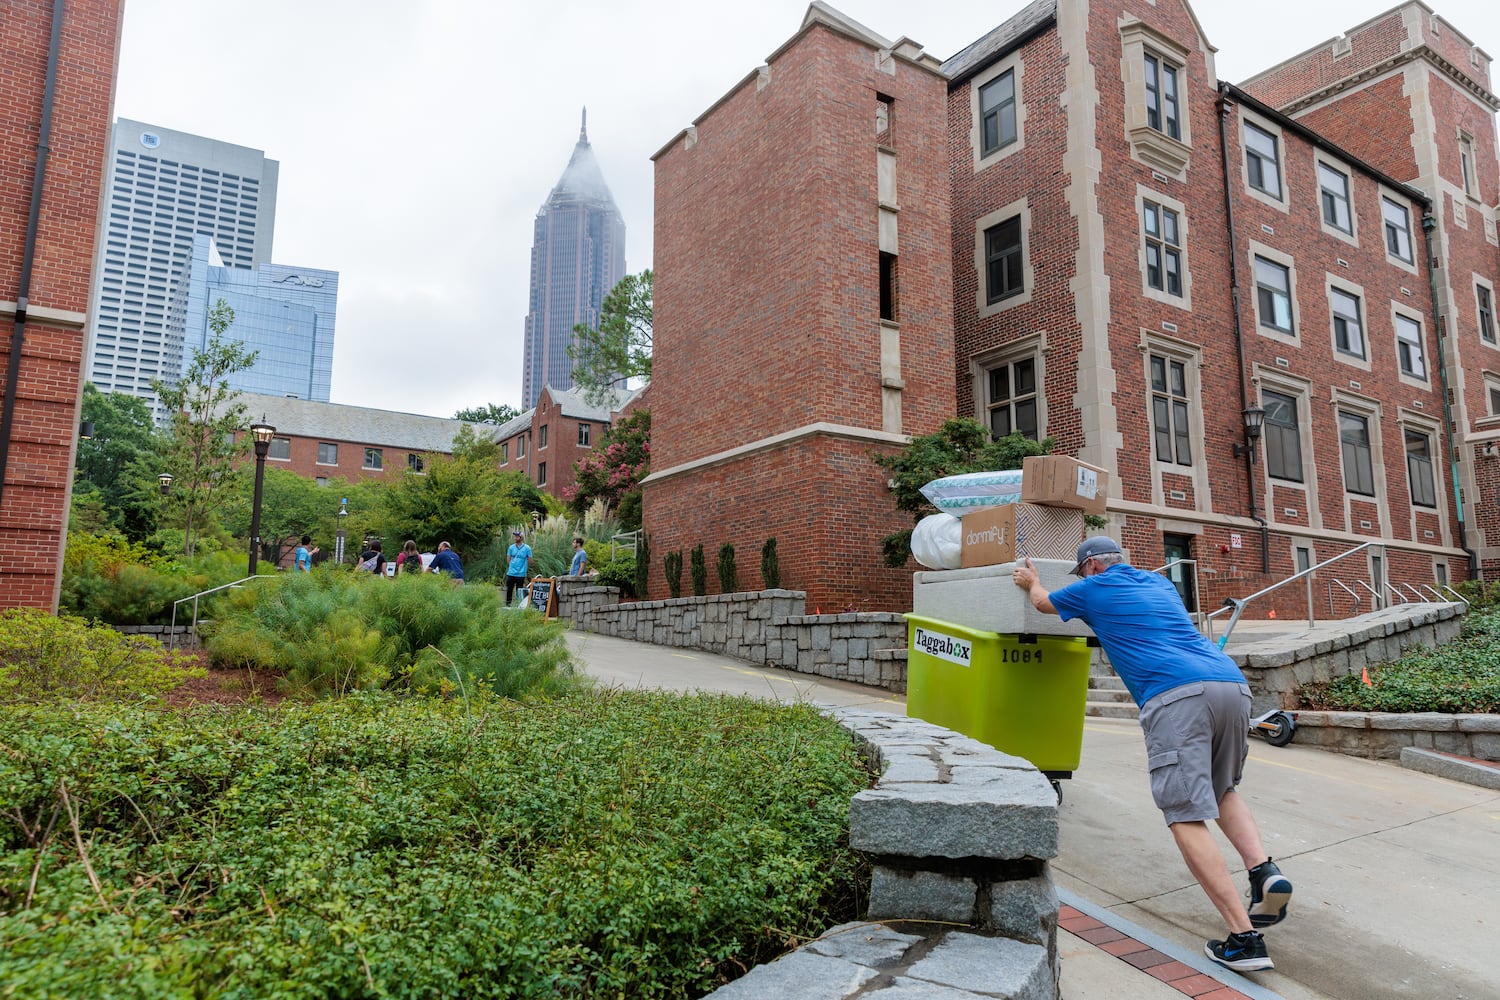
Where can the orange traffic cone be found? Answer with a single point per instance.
(1364, 675)
(1272, 613)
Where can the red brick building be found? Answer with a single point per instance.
(1133, 253)
(52, 152)
(547, 441)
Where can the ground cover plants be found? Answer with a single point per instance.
(52, 658)
(1459, 676)
(600, 844)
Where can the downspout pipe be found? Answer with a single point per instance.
(1223, 106)
(28, 253)
(1429, 224)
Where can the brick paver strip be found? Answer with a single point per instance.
(1125, 946)
(1146, 959)
(1224, 994)
(1101, 935)
(1173, 971)
(1196, 985)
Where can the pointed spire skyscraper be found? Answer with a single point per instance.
(577, 256)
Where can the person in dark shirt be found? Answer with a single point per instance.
(447, 561)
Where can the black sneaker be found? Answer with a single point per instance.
(1269, 892)
(1242, 952)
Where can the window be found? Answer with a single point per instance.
(1283, 437)
(1419, 469)
(1486, 303)
(1012, 398)
(583, 435)
(328, 453)
(1354, 445)
(1409, 347)
(1163, 249)
(1494, 394)
(1397, 229)
(883, 107)
(1262, 160)
(1348, 332)
(374, 458)
(888, 286)
(541, 437)
(997, 113)
(1002, 260)
(1169, 410)
(1161, 96)
(281, 449)
(504, 452)
(1273, 291)
(321, 480)
(414, 461)
(1466, 164)
(1335, 195)
(541, 474)
(521, 446)
(1304, 558)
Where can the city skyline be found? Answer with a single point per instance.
(414, 159)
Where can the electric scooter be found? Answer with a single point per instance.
(1276, 727)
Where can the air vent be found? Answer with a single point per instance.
(1417, 403)
(1342, 262)
(1283, 363)
(1177, 495)
(1290, 512)
(1159, 178)
(1365, 525)
(1267, 229)
(1354, 385)
(1427, 534)
(1405, 291)
(1169, 327)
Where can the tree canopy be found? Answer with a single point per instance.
(489, 413)
(613, 471)
(620, 349)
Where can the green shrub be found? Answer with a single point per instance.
(109, 579)
(620, 572)
(671, 565)
(642, 563)
(59, 658)
(332, 633)
(770, 565)
(1460, 676)
(728, 578)
(623, 844)
(699, 571)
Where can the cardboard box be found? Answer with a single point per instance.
(1061, 481)
(1020, 531)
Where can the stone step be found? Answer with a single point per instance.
(1103, 682)
(1111, 710)
(1108, 695)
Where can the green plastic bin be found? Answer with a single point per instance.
(1022, 697)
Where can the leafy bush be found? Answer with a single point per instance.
(112, 580)
(624, 844)
(59, 658)
(1461, 676)
(699, 571)
(671, 565)
(333, 633)
(728, 579)
(620, 572)
(770, 565)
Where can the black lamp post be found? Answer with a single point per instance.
(164, 483)
(262, 433)
(1255, 419)
(338, 545)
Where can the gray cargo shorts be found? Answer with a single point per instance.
(1197, 738)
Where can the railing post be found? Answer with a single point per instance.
(1310, 620)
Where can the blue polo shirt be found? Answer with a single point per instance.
(1145, 631)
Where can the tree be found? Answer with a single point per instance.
(489, 413)
(620, 349)
(464, 499)
(202, 451)
(124, 436)
(613, 471)
(961, 445)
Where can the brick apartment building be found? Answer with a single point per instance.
(1101, 243)
(58, 103)
(548, 440)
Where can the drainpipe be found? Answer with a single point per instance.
(1239, 332)
(28, 254)
(1428, 225)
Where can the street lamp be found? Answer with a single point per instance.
(262, 433)
(338, 545)
(1255, 419)
(164, 483)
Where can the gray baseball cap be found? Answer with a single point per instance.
(1091, 547)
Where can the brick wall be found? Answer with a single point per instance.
(38, 479)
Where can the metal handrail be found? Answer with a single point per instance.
(1345, 590)
(1462, 599)
(172, 636)
(1413, 590)
(1374, 595)
(1197, 592)
(1238, 603)
(1440, 598)
(1399, 596)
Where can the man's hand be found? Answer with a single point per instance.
(1025, 575)
(1027, 580)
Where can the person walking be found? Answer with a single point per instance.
(519, 566)
(302, 558)
(1195, 714)
(580, 563)
(446, 561)
(409, 559)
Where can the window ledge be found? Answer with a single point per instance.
(1159, 150)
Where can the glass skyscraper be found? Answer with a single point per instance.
(163, 188)
(284, 313)
(577, 256)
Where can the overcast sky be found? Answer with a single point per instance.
(418, 140)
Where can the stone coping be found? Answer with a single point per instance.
(1384, 735)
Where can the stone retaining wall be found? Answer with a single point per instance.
(769, 627)
(1382, 734)
(959, 834)
(182, 637)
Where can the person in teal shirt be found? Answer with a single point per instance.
(580, 558)
(519, 566)
(302, 558)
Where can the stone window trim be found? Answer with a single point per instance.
(1356, 404)
(1389, 197)
(1028, 281)
(1283, 201)
(1468, 168)
(1190, 355)
(1274, 256)
(1016, 66)
(1322, 161)
(1426, 495)
(541, 437)
(1334, 283)
(1491, 418)
(583, 435)
(981, 363)
(1183, 301)
(1484, 313)
(1420, 358)
(1149, 146)
(1267, 379)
